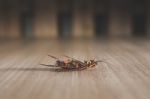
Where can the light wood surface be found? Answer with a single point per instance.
(125, 75)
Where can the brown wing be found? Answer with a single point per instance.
(74, 59)
(52, 56)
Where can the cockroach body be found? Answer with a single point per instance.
(73, 64)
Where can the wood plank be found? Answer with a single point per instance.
(126, 75)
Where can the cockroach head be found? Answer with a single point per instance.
(94, 62)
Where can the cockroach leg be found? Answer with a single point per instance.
(49, 65)
(52, 56)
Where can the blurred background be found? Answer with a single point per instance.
(50, 19)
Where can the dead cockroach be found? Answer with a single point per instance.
(73, 64)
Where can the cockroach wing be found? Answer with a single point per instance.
(74, 59)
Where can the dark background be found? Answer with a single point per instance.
(47, 19)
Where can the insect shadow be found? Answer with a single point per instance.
(35, 69)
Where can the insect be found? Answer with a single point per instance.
(72, 63)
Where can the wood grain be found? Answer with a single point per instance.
(125, 75)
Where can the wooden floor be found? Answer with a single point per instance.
(125, 75)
